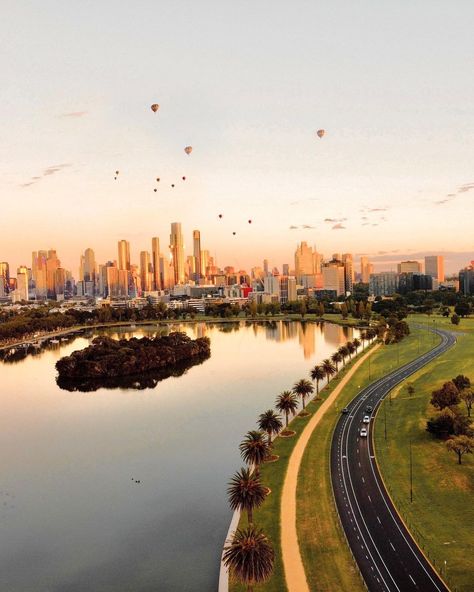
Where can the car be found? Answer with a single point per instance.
(366, 419)
(369, 409)
(363, 433)
(345, 410)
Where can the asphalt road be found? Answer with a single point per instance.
(387, 556)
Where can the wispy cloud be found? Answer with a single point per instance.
(338, 227)
(74, 114)
(292, 227)
(308, 226)
(333, 220)
(377, 209)
(47, 172)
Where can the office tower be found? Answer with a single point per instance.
(89, 266)
(287, 289)
(304, 264)
(204, 262)
(52, 264)
(21, 282)
(39, 273)
(112, 281)
(166, 273)
(265, 267)
(466, 280)
(366, 268)
(409, 267)
(334, 277)
(408, 282)
(434, 266)
(155, 260)
(123, 283)
(348, 271)
(124, 255)
(177, 252)
(59, 283)
(4, 278)
(146, 274)
(317, 261)
(383, 284)
(197, 255)
(271, 285)
(285, 269)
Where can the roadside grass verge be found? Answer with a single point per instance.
(441, 516)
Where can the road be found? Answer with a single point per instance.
(388, 558)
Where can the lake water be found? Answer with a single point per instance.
(73, 518)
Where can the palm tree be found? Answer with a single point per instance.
(363, 337)
(329, 369)
(350, 347)
(317, 374)
(356, 343)
(249, 557)
(287, 403)
(344, 353)
(254, 449)
(336, 358)
(302, 389)
(246, 492)
(270, 422)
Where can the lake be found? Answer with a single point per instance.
(73, 517)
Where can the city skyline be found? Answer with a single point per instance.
(391, 173)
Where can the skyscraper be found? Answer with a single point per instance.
(4, 277)
(409, 267)
(155, 259)
(348, 271)
(304, 263)
(177, 252)
(89, 266)
(124, 255)
(334, 277)
(197, 254)
(366, 268)
(434, 266)
(146, 275)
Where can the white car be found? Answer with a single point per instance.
(363, 433)
(366, 419)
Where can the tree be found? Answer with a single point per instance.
(336, 358)
(455, 320)
(363, 338)
(254, 449)
(303, 307)
(302, 389)
(317, 374)
(329, 369)
(411, 389)
(350, 348)
(462, 308)
(462, 382)
(467, 395)
(356, 343)
(249, 557)
(270, 422)
(287, 403)
(344, 311)
(344, 353)
(460, 445)
(446, 396)
(246, 492)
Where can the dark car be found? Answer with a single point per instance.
(369, 409)
(345, 410)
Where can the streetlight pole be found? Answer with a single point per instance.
(385, 418)
(411, 474)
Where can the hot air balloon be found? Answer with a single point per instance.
(155, 190)
(155, 107)
(184, 178)
(188, 150)
(115, 178)
(320, 133)
(158, 179)
(250, 221)
(234, 233)
(220, 215)
(172, 184)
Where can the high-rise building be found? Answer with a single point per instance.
(434, 266)
(89, 266)
(155, 260)
(287, 289)
(366, 268)
(304, 263)
(383, 284)
(317, 261)
(409, 267)
(177, 252)
(22, 282)
(59, 283)
(265, 267)
(334, 277)
(408, 282)
(348, 271)
(466, 280)
(52, 264)
(4, 277)
(112, 274)
(39, 274)
(204, 262)
(124, 255)
(146, 274)
(197, 255)
(285, 269)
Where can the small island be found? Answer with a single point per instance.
(108, 358)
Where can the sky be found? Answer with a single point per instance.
(247, 84)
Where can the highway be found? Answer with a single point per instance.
(386, 554)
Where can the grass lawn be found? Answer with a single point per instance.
(441, 516)
(327, 559)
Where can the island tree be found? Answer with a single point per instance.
(317, 374)
(270, 422)
(246, 492)
(302, 389)
(254, 449)
(287, 403)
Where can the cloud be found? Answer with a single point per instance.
(47, 172)
(338, 227)
(293, 227)
(335, 220)
(382, 252)
(466, 187)
(306, 226)
(377, 209)
(364, 218)
(74, 114)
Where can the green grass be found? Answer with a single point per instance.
(441, 516)
(327, 559)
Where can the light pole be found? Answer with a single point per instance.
(411, 474)
(385, 418)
